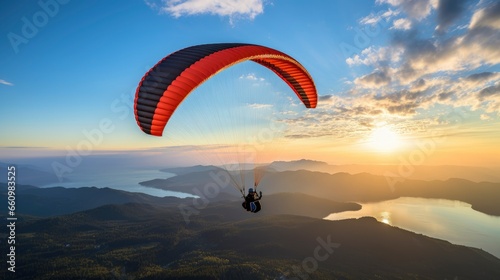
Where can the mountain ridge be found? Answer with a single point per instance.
(345, 187)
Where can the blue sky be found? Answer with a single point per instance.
(387, 71)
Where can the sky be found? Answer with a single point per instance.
(398, 80)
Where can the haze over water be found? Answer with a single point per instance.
(125, 180)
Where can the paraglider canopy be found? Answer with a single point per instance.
(165, 86)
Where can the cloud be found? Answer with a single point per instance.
(475, 48)
(402, 24)
(403, 109)
(445, 96)
(4, 82)
(375, 79)
(402, 97)
(226, 8)
(485, 117)
(259, 106)
(376, 56)
(252, 77)
(489, 91)
(488, 17)
(480, 77)
(418, 78)
(364, 110)
(373, 19)
(324, 98)
(417, 9)
(419, 84)
(412, 56)
(448, 11)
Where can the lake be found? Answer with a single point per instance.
(450, 220)
(125, 180)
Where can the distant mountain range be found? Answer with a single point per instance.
(40, 173)
(344, 187)
(29, 174)
(404, 170)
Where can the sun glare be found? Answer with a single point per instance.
(384, 139)
(385, 217)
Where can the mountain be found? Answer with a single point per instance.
(194, 182)
(138, 241)
(55, 201)
(274, 204)
(344, 187)
(298, 165)
(190, 169)
(35, 201)
(365, 187)
(405, 170)
(28, 174)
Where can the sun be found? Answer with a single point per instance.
(384, 139)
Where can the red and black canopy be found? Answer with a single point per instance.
(165, 85)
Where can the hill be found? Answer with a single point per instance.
(344, 187)
(54, 201)
(30, 174)
(404, 170)
(137, 241)
(275, 204)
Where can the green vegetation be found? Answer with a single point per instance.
(138, 241)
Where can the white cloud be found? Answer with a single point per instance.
(4, 82)
(373, 19)
(485, 117)
(417, 9)
(375, 56)
(401, 24)
(153, 5)
(230, 8)
(259, 106)
(251, 77)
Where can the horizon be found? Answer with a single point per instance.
(396, 83)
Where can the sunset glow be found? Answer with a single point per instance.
(384, 139)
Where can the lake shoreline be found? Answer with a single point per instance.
(451, 220)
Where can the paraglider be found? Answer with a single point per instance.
(252, 202)
(163, 88)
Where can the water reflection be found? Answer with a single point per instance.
(125, 180)
(385, 217)
(450, 220)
